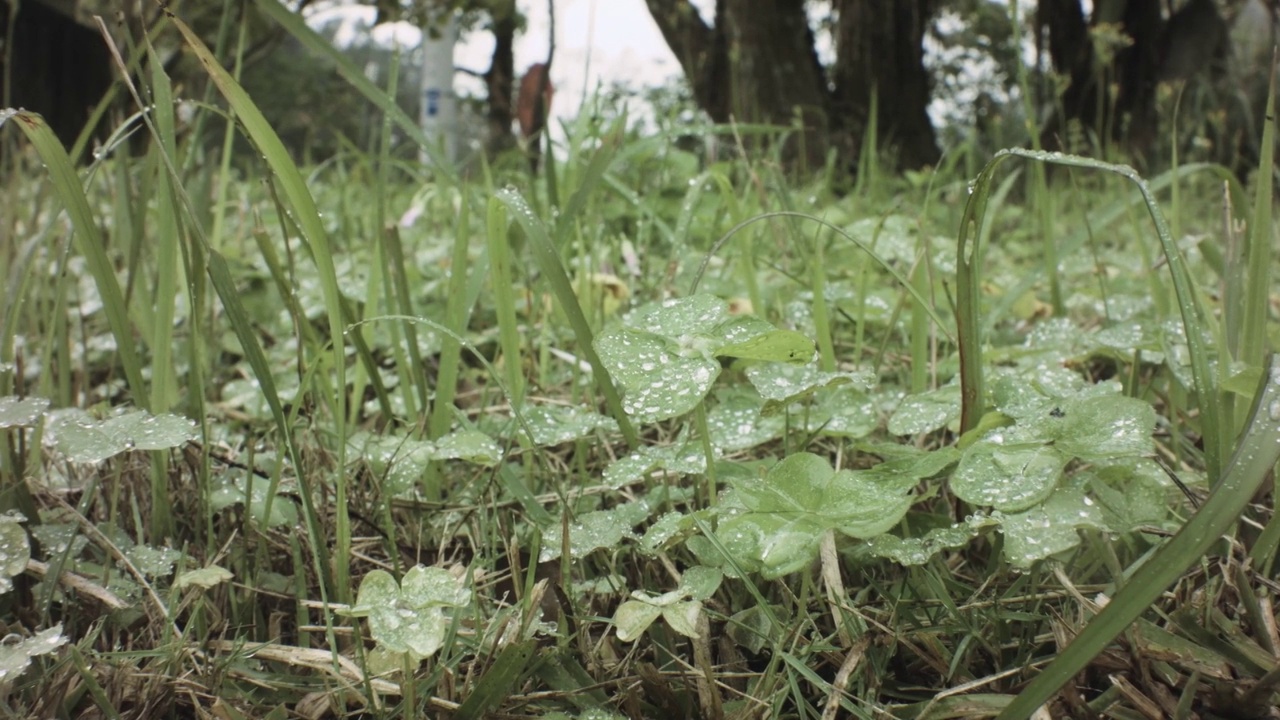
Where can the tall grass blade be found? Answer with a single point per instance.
(88, 240)
(1254, 459)
(307, 217)
(293, 23)
(548, 259)
(1260, 239)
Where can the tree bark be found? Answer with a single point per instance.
(775, 75)
(701, 49)
(880, 55)
(61, 69)
(757, 63)
(500, 78)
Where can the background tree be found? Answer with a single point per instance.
(1113, 62)
(757, 62)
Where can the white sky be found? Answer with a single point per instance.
(598, 42)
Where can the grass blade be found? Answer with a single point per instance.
(1249, 467)
(548, 259)
(968, 298)
(307, 217)
(88, 240)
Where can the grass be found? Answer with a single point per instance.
(653, 435)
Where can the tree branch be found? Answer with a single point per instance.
(700, 48)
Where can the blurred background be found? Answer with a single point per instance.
(910, 80)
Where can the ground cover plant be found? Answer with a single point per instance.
(645, 435)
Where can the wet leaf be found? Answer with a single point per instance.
(153, 561)
(81, 438)
(21, 412)
(595, 530)
(409, 617)
(234, 489)
(1049, 528)
(16, 656)
(781, 384)
(656, 383)
(926, 412)
(205, 577)
(558, 424)
(1007, 477)
(801, 497)
(782, 346)
(15, 549)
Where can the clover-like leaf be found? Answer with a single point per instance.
(665, 356)
(926, 412)
(16, 656)
(15, 549)
(633, 617)
(781, 384)
(1107, 427)
(1007, 477)
(683, 617)
(784, 346)
(409, 617)
(1050, 528)
(81, 438)
(21, 412)
(656, 382)
(800, 498)
(595, 530)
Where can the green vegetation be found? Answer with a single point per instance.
(647, 435)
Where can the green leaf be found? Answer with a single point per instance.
(21, 412)
(926, 412)
(683, 617)
(700, 582)
(433, 586)
(802, 497)
(682, 317)
(599, 529)
(1008, 477)
(15, 549)
(234, 489)
(470, 445)
(633, 617)
(1051, 527)
(917, 550)
(656, 383)
(81, 438)
(1107, 427)
(737, 423)
(781, 384)
(784, 346)
(16, 656)
(205, 577)
(409, 616)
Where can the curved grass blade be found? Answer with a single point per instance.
(1255, 457)
(969, 260)
(902, 279)
(88, 240)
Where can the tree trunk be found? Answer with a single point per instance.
(500, 79)
(758, 64)
(880, 55)
(1113, 98)
(701, 49)
(61, 69)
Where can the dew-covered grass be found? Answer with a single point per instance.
(653, 433)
